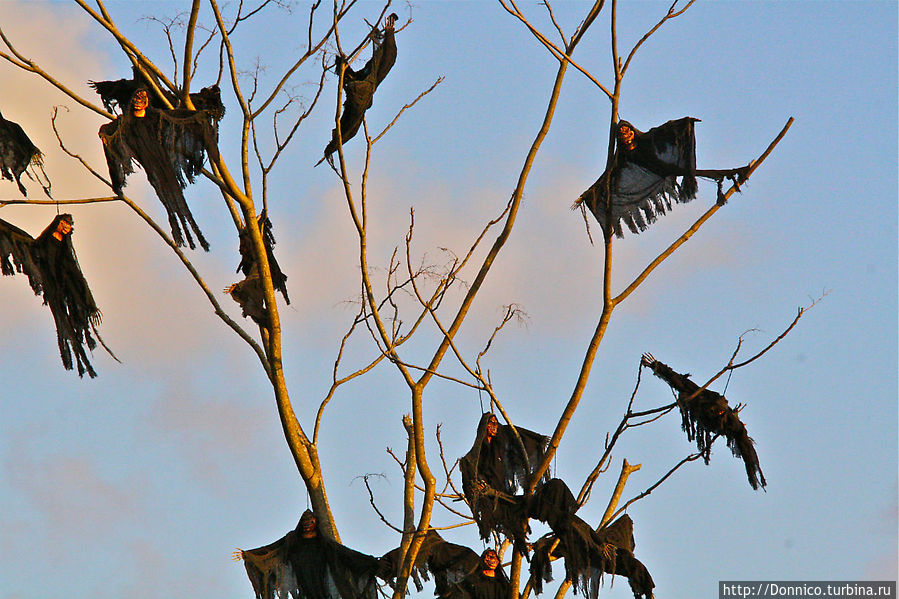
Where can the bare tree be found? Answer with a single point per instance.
(411, 294)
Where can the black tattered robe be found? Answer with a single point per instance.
(359, 89)
(53, 272)
(642, 182)
(170, 145)
(316, 568)
(706, 414)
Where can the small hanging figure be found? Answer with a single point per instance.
(171, 146)
(447, 562)
(488, 581)
(494, 469)
(303, 564)
(359, 86)
(17, 153)
(589, 554)
(249, 292)
(642, 182)
(52, 269)
(705, 415)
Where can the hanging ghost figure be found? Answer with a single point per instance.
(642, 182)
(171, 146)
(249, 292)
(494, 469)
(447, 562)
(52, 269)
(705, 415)
(359, 86)
(305, 565)
(487, 581)
(589, 554)
(17, 153)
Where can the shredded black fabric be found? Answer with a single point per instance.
(642, 182)
(359, 86)
(171, 146)
(705, 415)
(249, 293)
(493, 471)
(248, 261)
(53, 272)
(590, 554)
(316, 568)
(553, 503)
(17, 153)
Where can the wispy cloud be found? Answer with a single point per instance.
(68, 491)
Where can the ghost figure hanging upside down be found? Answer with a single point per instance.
(305, 565)
(52, 269)
(359, 86)
(249, 292)
(642, 182)
(171, 146)
(705, 415)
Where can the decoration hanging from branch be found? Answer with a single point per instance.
(359, 86)
(171, 146)
(52, 269)
(487, 581)
(17, 153)
(641, 183)
(303, 564)
(249, 292)
(705, 415)
(494, 469)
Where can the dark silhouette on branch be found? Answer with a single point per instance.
(359, 86)
(249, 292)
(705, 415)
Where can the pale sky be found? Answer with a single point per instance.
(141, 482)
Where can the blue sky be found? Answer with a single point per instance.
(142, 481)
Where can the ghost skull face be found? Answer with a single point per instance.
(64, 226)
(308, 524)
(492, 427)
(139, 102)
(626, 135)
(489, 560)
